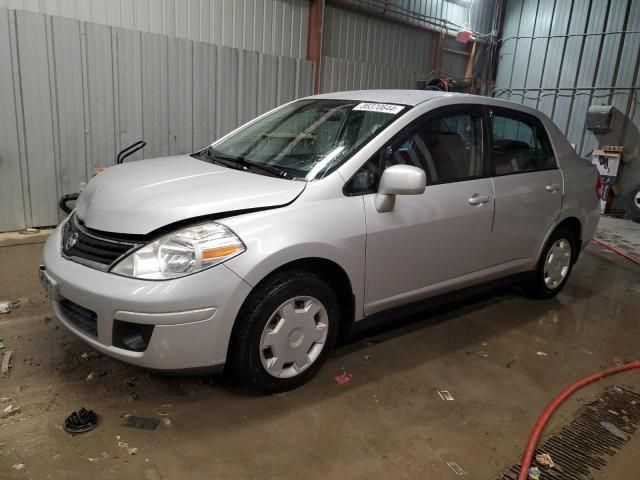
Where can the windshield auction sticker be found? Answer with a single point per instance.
(379, 107)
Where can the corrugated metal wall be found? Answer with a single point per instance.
(569, 65)
(436, 13)
(365, 52)
(277, 27)
(440, 9)
(72, 94)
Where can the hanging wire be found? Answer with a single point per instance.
(557, 92)
(569, 35)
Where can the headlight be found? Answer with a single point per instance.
(181, 253)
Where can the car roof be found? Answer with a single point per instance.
(404, 97)
(416, 97)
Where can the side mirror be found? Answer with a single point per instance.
(399, 180)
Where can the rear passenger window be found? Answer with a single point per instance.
(448, 148)
(519, 144)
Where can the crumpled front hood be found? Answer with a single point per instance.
(142, 196)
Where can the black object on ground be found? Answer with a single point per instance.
(81, 421)
(143, 423)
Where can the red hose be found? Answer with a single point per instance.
(559, 400)
(617, 250)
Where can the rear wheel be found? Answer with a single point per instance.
(285, 331)
(554, 266)
(631, 203)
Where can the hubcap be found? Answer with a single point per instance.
(294, 337)
(557, 264)
(637, 199)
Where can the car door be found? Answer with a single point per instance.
(528, 187)
(428, 242)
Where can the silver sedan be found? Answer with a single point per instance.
(312, 220)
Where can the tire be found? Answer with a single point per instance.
(549, 277)
(282, 312)
(631, 203)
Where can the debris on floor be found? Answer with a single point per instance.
(90, 376)
(344, 378)
(445, 395)
(545, 460)
(86, 356)
(613, 430)
(166, 422)
(125, 445)
(456, 468)
(10, 410)
(5, 307)
(6, 363)
(81, 421)
(534, 473)
(18, 466)
(143, 423)
(542, 354)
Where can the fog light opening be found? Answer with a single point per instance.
(131, 336)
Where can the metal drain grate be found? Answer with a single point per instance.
(585, 444)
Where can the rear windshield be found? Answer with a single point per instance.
(309, 138)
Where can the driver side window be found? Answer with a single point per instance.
(447, 146)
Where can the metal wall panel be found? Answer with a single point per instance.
(69, 126)
(584, 53)
(278, 27)
(32, 31)
(357, 37)
(365, 52)
(479, 16)
(13, 193)
(180, 65)
(72, 94)
(100, 97)
(155, 85)
(204, 94)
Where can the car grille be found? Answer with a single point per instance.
(94, 249)
(83, 318)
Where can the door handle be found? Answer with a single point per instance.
(477, 199)
(552, 187)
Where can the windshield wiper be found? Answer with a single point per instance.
(227, 162)
(246, 164)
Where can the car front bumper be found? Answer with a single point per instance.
(192, 316)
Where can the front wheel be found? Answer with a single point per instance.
(286, 330)
(554, 266)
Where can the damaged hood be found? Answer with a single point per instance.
(142, 196)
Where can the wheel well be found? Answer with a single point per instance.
(335, 277)
(575, 227)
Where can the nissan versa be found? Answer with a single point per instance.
(256, 251)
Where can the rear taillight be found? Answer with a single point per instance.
(598, 185)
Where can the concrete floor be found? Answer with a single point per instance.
(388, 422)
(622, 233)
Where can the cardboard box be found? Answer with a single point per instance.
(607, 162)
